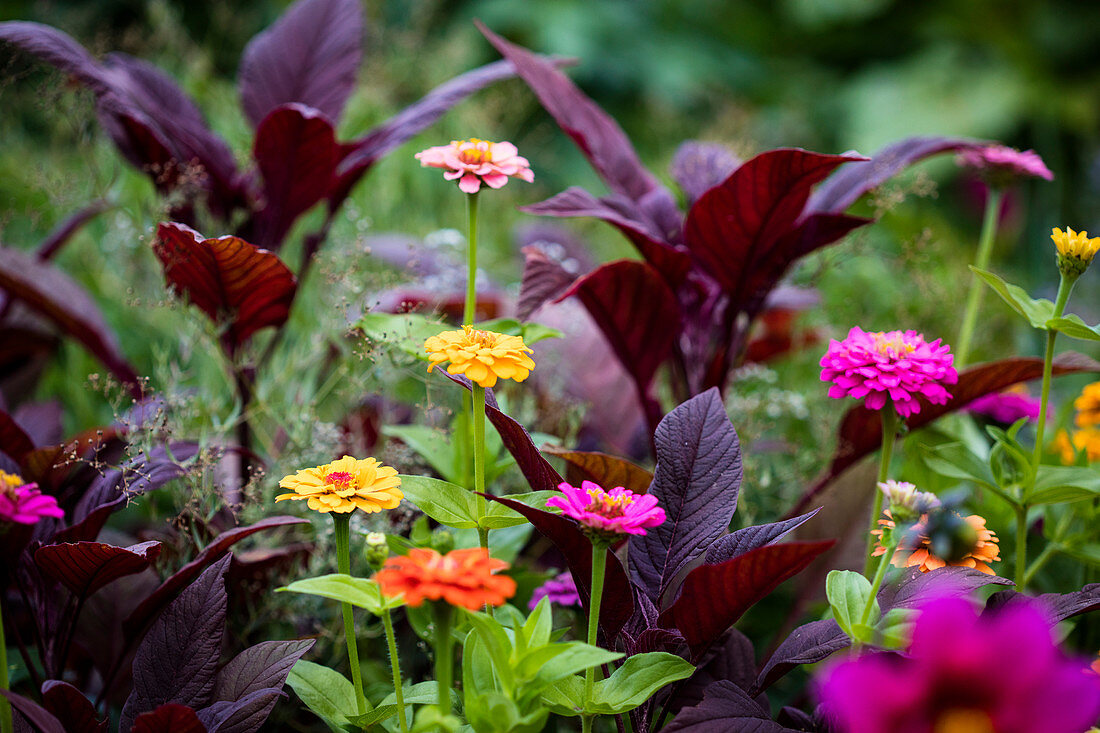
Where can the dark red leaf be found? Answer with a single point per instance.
(178, 658)
(696, 482)
(263, 667)
(606, 470)
(725, 708)
(43, 721)
(14, 441)
(843, 189)
(66, 229)
(170, 718)
(808, 644)
(85, 567)
(698, 167)
(617, 605)
(543, 280)
(860, 431)
(69, 705)
(750, 538)
(715, 596)
(296, 152)
(310, 55)
(228, 279)
(163, 595)
(51, 293)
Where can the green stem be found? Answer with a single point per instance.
(977, 289)
(889, 433)
(444, 655)
(5, 706)
(1021, 548)
(342, 525)
(469, 312)
(880, 574)
(599, 565)
(479, 461)
(395, 662)
(1039, 562)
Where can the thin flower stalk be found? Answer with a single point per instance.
(889, 433)
(478, 393)
(443, 616)
(342, 526)
(977, 289)
(599, 567)
(395, 662)
(469, 311)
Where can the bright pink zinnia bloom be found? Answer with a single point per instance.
(474, 162)
(999, 672)
(1003, 165)
(896, 365)
(1008, 406)
(619, 511)
(25, 504)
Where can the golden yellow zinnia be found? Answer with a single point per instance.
(482, 356)
(345, 485)
(1088, 407)
(1087, 440)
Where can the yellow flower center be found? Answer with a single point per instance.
(607, 505)
(484, 339)
(9, 482)
(891, 346)
(474, 151)
(964, 720)
(340, 480)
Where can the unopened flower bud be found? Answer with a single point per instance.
(378, 550)
(907, 504)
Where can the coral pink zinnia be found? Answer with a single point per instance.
(474, 162)
(23, 503)
(608, 513)
(898, 366)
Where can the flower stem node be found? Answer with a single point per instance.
(1075, 251)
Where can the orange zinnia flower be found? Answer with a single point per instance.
(917, 554)
(461, 578)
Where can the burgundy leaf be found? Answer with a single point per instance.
(843, 189)
(178, 658)
(169, 718)
(1060, 606)
(14, 441)
(51, 293)
(606, 470)
(163, 595)
(43, 721)
(715, 596)
(543, 280)
(698, 167)
(264, 666)
(725, 708)
(144, 147)
(731, 660)
(57, 49)
(228, 279)
(696, 482)
(66, 229)
(310, 55)
(671, 261)
(72, 709)
(860, 431)
(85, 567)
(807, 644)
(750, 538)
(617, 605)
(241, 716)
(914, 588)
(296, 152)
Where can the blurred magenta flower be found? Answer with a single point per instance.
(474, 162)
(24, 503)
(562, 591)
(895, 365)
(1007, 406)
(1002, 166)
(608, 513)
(998, 673)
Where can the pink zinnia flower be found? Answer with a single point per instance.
(1000, 673)
(1008, 406)
(608, 513)
(1001, 165)
(474, 162)
(892, 366)
(562, 591)
(24, 503)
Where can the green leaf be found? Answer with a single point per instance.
(896, 628)
(374, 717)
(1058, 484)
(564, 696)
(537, 628)
(499, 516)
(431, 444)
(530, 332)
(405, 332)
(848, 593)
(1074, 327)
(422, 693)
(1037, 312)
(955, 460)
(576, 657)
(637, 680)
(443, 501)
(326, 692)
(477, 668)
(498, 645)
(356, 591)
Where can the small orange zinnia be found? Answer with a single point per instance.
(483, 356)
(344, 486)
(462, 578)
(916, 553)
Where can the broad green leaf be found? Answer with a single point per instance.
(431, 444)
(359, 592)
(848, 593)
(576, 657)
(530, 332)
(896, 628)
(638, 679)
(539, 624)
(477, 667)
(1037, 312)
(406, 332)
(565, 696)
(326, 692)
(497, 644)
(499, 516)
(1072, 326)
(422, 693)
(443, 501)
(374, 717)
(955, 460)
(1058, 484)
(494, 712)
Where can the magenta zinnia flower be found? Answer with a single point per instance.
(1001, 165)
(608, 513)
(1008, 406)
(23, 503)
(474, 162)
(1000, 673)
(562, 591)
(892, 366)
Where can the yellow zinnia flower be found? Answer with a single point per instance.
(345, 485)
(1088, 407)
(1075, 250)
(483, 356)
(1087, 440)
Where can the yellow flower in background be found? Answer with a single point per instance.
(344, 486)
(1087, 440)
(482, 356)
(1088, 407)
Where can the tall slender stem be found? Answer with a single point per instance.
(889, 433)
(479, 460)
(880, 574)
(342, 525)
(599, 565)
(977, 289)
(444, 655)
(469, 313)
(395, 663)
(5, 706)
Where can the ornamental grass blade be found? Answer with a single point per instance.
(606, 470)
(310, 56)
(696, 482)
(715, 596)
(72, 709)
(232, 281)
(85, 567)
(169, 718)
